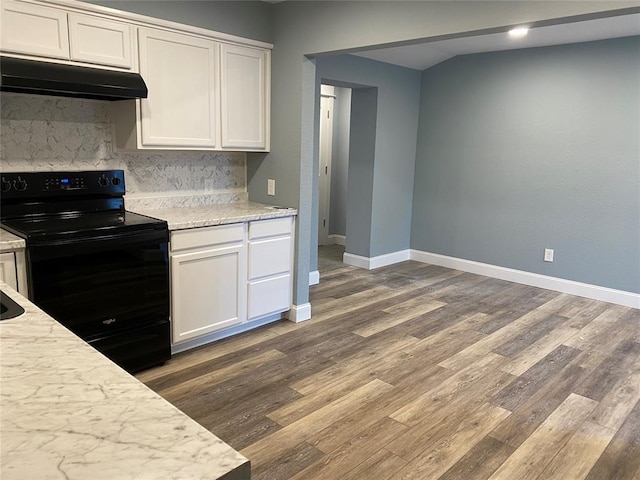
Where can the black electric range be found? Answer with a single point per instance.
(98, 269)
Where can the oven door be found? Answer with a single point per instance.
(104, 285)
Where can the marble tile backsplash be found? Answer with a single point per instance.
(55, 133)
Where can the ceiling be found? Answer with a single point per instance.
(424, 55)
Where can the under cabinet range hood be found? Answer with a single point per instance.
(45, 78)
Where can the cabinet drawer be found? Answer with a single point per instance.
(269, 296)
(269, 228)
(269, 257)
(205, 236)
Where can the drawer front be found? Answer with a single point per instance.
(269, 296)
(206, 236)
(269, 257)
(270, 228)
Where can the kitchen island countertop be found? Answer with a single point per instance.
(180, 218)
(70, 413)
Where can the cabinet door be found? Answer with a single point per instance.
(100, 41)
(244, 97)
(34, 30)
(8, 273)
(206, 291)
(180, 72)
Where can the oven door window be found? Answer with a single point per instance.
(103, 285)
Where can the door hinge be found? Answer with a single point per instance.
(328, 114)
(324, 222)
(326, 169)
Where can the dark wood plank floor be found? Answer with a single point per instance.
(419, 372)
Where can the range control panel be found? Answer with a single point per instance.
(38, 184)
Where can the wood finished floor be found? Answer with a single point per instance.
(419, 372)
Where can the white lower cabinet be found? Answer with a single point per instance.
(227, 275)
(270, 266)
(8, 272)
(207, 281)
(13, 271)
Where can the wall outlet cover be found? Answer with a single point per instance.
(548, 255)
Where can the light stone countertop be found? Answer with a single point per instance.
(10, 242)
(70, 413)
(179, 218)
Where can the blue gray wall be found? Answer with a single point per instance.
(301, 30)
(247, 18)
(362, 153)
(527, 149)
(340, 161)
(384, 157)
(304, 29)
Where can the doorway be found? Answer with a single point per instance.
(334, 138)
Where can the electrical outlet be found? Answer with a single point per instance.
(271, 187)
(548, 255)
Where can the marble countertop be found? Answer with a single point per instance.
(179, 218)
(10, 242)
(70, 413)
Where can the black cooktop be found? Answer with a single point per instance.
(81, 225)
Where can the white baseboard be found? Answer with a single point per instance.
(356, 260)
(299, 313)
(595, 292)
(376, 262)
(314, 277)
(228, 332)
(336, 239)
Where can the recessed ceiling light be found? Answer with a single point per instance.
(518, 32)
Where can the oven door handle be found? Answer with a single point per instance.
(78, 246)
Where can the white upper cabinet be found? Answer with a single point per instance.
(42, 31)
(34, 30)
(181, 74)
(244, 97)
(207, 90)
(100, 41)
(203, 95)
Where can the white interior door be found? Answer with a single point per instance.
(324, 182)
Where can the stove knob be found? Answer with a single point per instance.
(6, 186)
(20, 184)
(103, 181)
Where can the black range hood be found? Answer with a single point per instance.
(44, 78)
